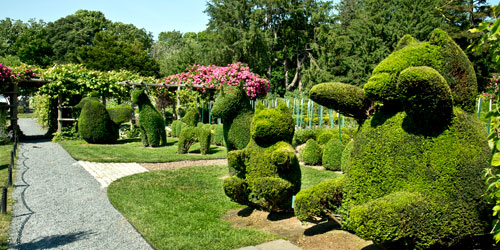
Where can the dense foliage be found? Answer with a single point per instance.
(312, 153)
(266, 172)
(233, 106)
(411, 184)
(95, 124)
(151, 122)
(332, 154)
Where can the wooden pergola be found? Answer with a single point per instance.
(13, 94)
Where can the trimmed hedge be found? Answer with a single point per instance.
(317, 200)
(218, 135)
(312, 153)
(325, 135)
(447, 168)
(332, 154)
(302, 135)
(440, 53)
(339, 96)
(426, 95)
(205, 138)
(187, 137)
(233, 106)
(344, 162)
(94, 123)
(151, 122)
(121, 113)
(192, 117)
(266, 173)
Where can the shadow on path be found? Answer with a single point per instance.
(54, 241)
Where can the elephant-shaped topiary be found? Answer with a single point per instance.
(413, 178)
(152, 125)
(267, 169)
(233, 106)
(99, 125)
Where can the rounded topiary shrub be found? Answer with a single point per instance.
(332, 154)
(312, 153)
(325, 135)
(94, 123)
(187, 137)
(173, 129)
(204, 137)
(302, 135)
(319, 199)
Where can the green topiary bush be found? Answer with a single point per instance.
(151, 122)
(173, 129)
(187, 137)
(332, 154)
(415, 180)
(94, 123)
(317, 200)
(205, 138)
(218, 135)
(233, 106)
(192, 117)
(121, 113)
(266, 173)
(302, 135)
(312, 153)
(325, 135)
(344, 162)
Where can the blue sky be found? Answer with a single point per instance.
(153, 15)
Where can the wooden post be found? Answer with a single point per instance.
(178, 100)
(14, 103)
(59, 114)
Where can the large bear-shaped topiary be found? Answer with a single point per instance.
(99, 125)
(413, 178)
(233, 106)
(152, 125)
(267, 169)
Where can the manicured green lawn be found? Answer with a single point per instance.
(5, 219)
(133, 151)
(181, 209)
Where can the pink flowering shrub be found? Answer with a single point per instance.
(215, 77)
(492, 88)
(7, 76)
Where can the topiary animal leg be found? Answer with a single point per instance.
(271, 193)
(236, 189)
(144, 136)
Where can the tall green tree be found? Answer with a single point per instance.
(110, 53)
(32, 47)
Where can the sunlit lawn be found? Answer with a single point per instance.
(181, 209)
(132, 150)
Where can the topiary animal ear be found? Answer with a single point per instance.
(405, 41)
(440, 38)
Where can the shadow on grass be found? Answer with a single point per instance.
(129, 140)
(54, 241)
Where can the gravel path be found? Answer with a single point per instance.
(59, 205)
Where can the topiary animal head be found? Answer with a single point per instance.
(230, 101)
(389, 82)
(139, 96)
(272, 125)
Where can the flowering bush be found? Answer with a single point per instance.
(215, 77)
(492, 88)
(7, 76)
